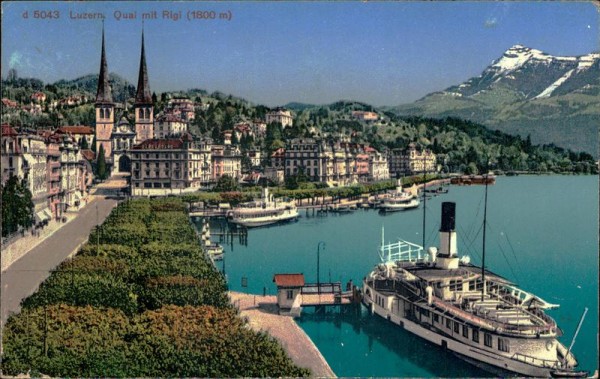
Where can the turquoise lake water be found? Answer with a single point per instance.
(542, 234)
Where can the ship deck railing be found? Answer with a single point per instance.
(535, 361)
(499, 326)
(402, 251)
(535, 314)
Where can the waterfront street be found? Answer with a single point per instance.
(24, 276)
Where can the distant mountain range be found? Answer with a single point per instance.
(527, 92)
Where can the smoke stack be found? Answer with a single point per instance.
(447, 257)
(448, 217)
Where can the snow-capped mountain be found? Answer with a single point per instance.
(532, 73)
(555, 99)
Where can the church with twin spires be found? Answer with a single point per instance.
(172, 163)
(113, 130)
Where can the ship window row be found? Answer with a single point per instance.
(503, 343)
(487, 339)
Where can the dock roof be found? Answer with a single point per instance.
(289, 280)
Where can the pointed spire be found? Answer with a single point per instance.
(103, 95)
(143, 95)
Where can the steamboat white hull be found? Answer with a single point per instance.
(394, 206)
(264, 220)
(488, 359)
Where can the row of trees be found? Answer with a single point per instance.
(140, 300)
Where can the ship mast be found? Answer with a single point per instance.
(424, 194)
(575, 336)
(484, 227)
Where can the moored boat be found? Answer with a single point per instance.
(399, 201)
(213, 250)
(480, 316)
(263, 212)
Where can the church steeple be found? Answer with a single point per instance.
(103, 96)
(143, 95)
(105, 109)
(144, 110)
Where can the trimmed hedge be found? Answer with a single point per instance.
(136, 304)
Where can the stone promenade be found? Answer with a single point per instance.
(262, 314)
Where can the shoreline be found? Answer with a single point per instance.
(262, 315)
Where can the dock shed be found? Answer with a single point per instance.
(289, 289)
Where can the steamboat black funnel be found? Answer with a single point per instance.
(448, 217)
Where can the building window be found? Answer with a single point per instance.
(465, 331)
(436, 317)
(456, 326)
(487, 339)
(290, 294)
(448, 323)
(475, 335)
(503, 345)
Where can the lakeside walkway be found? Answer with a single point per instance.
(32, 258)
(262, 314)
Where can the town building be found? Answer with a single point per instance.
(182, 107)
(166, 166)
(365, 116)
(54, 178)
(71, 192)
(78, 133)
(50, 166)
(255, 157)
(38, 97)
(226, 160)
(305, 156)
(378, 165)
(411, 161)
(168, 125)
(24, 156)
(280, 115)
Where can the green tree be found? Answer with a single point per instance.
(101, 171)
(225, 184)
(17, 206)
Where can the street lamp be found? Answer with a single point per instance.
(319, 265)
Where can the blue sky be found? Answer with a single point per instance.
(383, 53)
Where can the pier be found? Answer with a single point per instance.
(262, 315)
(293, 294)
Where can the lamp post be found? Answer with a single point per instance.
(319, 265)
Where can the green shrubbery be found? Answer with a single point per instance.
(139, 300)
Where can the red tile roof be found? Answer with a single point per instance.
(88, 154)
(77, 129)
(8, 130)
(289, 280)
(278, 153)
(159, 144)
(9, 103)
